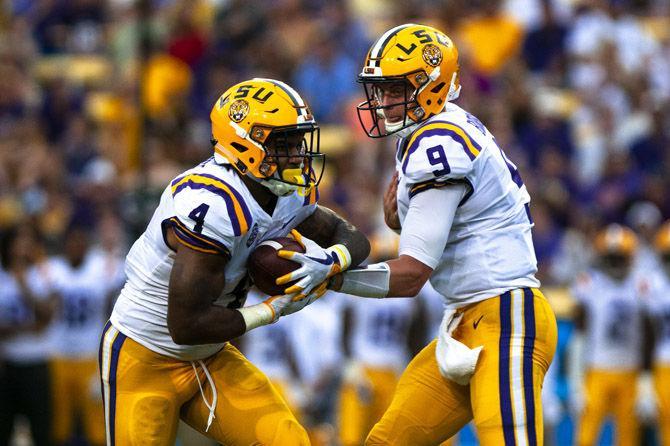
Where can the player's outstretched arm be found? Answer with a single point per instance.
(422, 240)
(195, 283)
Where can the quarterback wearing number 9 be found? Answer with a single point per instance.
(164, 354)
(464, 221)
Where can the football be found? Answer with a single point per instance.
(265, 266)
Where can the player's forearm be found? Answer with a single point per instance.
(401, 277)
(215, 325)
(408, 276)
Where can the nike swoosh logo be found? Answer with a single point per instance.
(476, 323)
(326, 261)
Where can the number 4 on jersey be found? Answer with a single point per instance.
(198, 216)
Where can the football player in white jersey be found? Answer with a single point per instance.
(606, 348)
(464, 221)
(26, 309)
(84, 280)
(658, 309)
(165, 353)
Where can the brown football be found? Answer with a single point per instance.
(265, 266)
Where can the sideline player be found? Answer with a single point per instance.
(658, 309)
(608, 322)
(85, 282)
(165, 353)
(464, 221)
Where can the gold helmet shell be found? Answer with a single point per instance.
(616, 239)
(248, 115)
(421, 56)
(662, 239)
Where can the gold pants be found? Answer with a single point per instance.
(145, 395)
(662, 386)
(360, 408)
(518, 332)
(76, 392)
(609, 393)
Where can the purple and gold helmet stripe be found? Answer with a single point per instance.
(238, 211)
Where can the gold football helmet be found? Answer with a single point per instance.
(420, 58)
(615, 246)
(260, 122)
(616, 239)
(662, 240)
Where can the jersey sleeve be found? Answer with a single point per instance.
(437, 154)
(209, 214)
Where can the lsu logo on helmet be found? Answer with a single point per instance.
(238, 110)
(432, 55)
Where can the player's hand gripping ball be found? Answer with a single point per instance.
(265, 266)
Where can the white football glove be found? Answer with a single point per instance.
(272, 308)
(290, 303)
(317, 265)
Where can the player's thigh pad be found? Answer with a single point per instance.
(249, 409)
(142, 391)
(518, 332)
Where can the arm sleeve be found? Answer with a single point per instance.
(429, 218)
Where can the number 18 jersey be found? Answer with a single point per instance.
(210, 210)
(489, 249)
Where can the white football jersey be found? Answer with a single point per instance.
(613, 321)
(84, 293)
(489, 249)
(23, 347)
(316, 337)
(657, 304)
(210, 210)
(380, 328)
(268, 347)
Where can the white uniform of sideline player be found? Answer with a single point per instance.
(85, 280)
(610, 317)
(377, 336)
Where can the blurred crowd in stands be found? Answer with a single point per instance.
(103, 102)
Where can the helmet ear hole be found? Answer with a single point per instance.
(239, 147)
